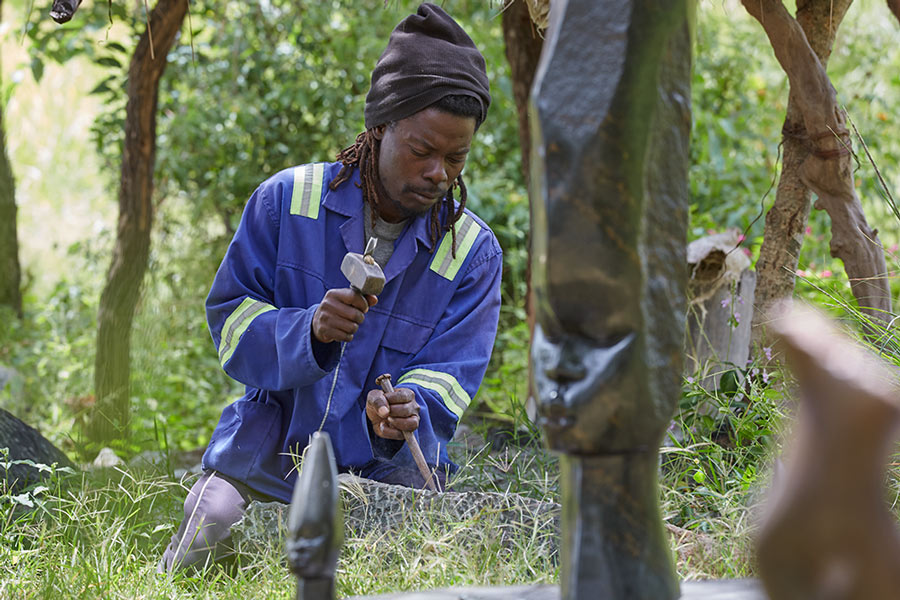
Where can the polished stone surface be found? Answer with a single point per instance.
(609, 229)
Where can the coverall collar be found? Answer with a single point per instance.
(347, 201)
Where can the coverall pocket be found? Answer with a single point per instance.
(405, 336)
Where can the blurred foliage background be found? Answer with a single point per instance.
(260, 85)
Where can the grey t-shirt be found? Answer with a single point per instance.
(386, 234)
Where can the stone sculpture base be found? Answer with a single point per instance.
(738, 589)
(611, 518)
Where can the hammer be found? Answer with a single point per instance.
(385, 382)
(363, 273)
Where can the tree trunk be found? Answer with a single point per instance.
(109, 417)
(817, 162)
(786, 221)
(10, 291)
(894, 5)
(523, 51)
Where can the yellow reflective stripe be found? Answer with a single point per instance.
(237, 323)
(443, 262)
(453, 395)
(307, 192)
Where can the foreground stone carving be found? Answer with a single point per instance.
(315, 531)
(609, 219)
(829, 533)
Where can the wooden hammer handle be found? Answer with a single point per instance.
(385, 382)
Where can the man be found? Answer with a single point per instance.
(307, 346)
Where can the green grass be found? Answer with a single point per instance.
(100, 535)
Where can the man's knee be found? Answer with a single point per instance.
(212, 506)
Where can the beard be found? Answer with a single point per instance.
(387, 203)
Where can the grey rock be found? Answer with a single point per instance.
(106, 459)
(25, 443)
(374, 508)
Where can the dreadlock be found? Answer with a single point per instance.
(363, 154)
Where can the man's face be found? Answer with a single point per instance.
(420, 157)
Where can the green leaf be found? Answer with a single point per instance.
(102, 87)
(109, 61)
(37, 68)
(117, 47)
(23, 499)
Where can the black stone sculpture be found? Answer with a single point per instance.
(315, 525)
(611, 102)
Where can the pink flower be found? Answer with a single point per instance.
(826, 273)
(747, 251)
(808, 230)
(802, 273)
(893, 248)
(768, 352)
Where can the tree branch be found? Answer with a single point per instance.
(894, 5)
(827, 170)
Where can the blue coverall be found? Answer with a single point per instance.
(433, 330)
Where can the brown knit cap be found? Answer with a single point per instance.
(428, 56)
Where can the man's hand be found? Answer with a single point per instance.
(340, 314)
(392, 414)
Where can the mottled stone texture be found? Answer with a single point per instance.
(609, 202)
(378, 509)
(25, 443)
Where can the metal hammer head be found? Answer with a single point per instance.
(363, 273)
